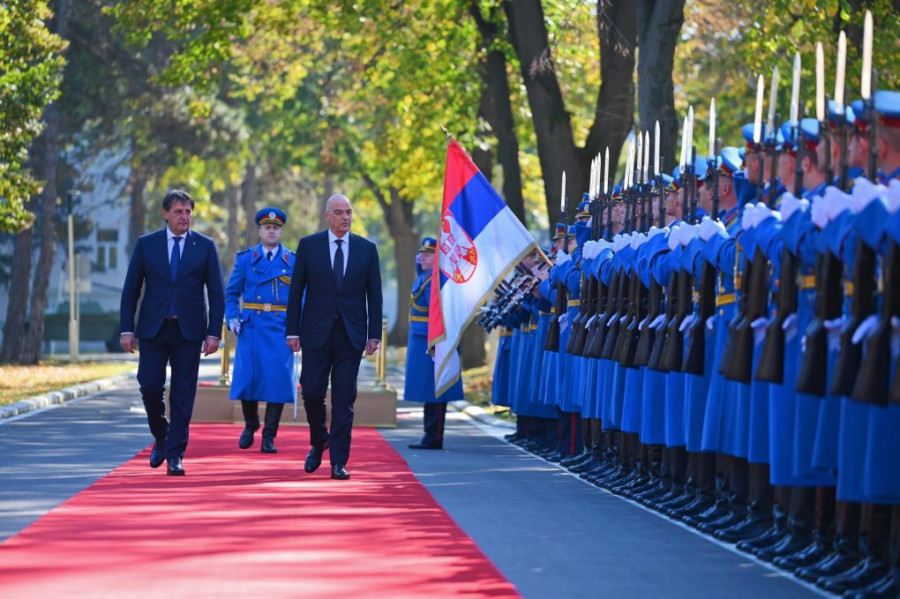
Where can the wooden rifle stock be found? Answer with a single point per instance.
(659, 343)
(588, 308)
(552, 343)
(633, 332)
(873, 383)
(771, 361)
(593, 346)
(629, 318)
(695, 355)
(814, 365)
(673, 351)
(615, 317)
(740, 366)
(647, 334)
(850, 357)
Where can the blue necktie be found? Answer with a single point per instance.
(339, 264)
(174, 261)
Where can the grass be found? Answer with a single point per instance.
(20, 382)
(477, 384)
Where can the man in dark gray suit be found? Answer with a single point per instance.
(338, 278)
(170, 272)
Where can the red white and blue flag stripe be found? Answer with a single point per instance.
(479, 242)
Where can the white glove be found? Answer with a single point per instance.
(562, 258)
(759, 329)
(658, 322)
(818, 215)
(834, 332)
(711, 323)
(602, 244)
(234, 325)
(709, 228)
(836, 201)
(586, 251)
(688, 233)
(864, 191)
(591, 320)
(643, 323)
(789, 326)
(865, 329)
(762, 213)
(618, 242)
(789, 204)
(748, 217)
(563, 322)
(654, 231)
(893, 195)
(673, 238)
(638, 240)
(687, 322)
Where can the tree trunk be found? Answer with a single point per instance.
(659, 24)
(137, 217)
(13, 329)
(235, 240)
(398, 214)
(552, 125)
(31, 351)
(249, 197)
(496, 108)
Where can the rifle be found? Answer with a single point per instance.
(655, 300)
(829, 303)
(552, 343)
(612, 346)
(637, 300)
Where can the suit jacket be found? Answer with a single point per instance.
(149, 272)
(358, 301)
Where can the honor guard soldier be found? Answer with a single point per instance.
(419, 384)
(255, 307)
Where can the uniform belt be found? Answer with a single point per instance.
(505, 333)
(724, 300)
(848, 288)
(545, 313)
(574, 303)
(265, 307)
(533, 327)
(807, 282)
(418, 318)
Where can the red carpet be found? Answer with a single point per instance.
(251, 525)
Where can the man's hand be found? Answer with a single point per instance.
(210, 346)
(293, 343)
(372, 346)
(127, 342)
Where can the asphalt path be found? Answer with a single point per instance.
(550, 533)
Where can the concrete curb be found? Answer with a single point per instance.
(479, 414)
(52, 398)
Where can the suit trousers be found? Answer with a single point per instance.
(169, 347)
(433, 421)
(273, 417)
(339, 361)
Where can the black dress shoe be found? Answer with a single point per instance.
(313, 459)
(268, 445)
(865, 573)
(175, 468)
(246, 440)
(423, 445)
(158, 454)
(338, 472)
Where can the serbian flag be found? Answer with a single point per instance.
(479, 242)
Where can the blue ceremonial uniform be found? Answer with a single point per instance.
(263, 365)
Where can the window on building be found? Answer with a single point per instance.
(107, 249)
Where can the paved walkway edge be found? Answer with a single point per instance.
(53, 398)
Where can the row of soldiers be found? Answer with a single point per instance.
(720, 345)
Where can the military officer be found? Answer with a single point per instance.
(419, 384)
(255, 308)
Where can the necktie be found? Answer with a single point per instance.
(269, 255)
(174, 261)
(339, 264)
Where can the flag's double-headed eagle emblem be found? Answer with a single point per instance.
(459, 258)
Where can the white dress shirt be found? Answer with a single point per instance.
(345, 247)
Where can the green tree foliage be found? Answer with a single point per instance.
(30, 72)
(725, 45)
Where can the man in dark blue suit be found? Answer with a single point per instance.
(172, 267)
(338, 321)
